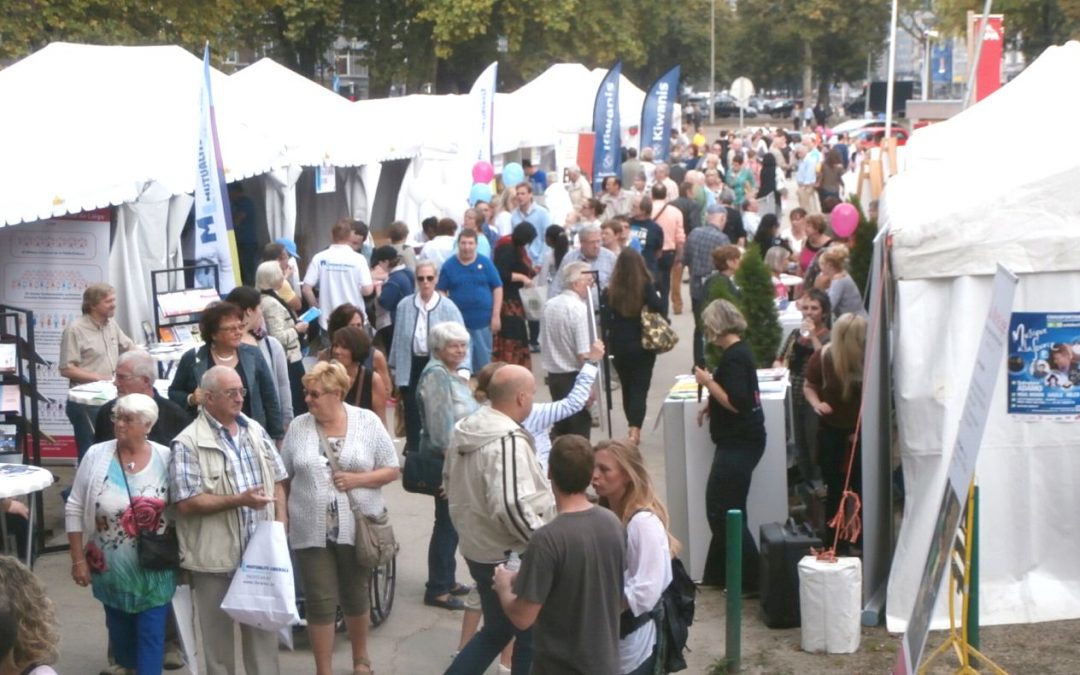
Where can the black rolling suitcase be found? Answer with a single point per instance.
(782, 547)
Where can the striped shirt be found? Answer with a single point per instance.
(564, 333)
(242, 461)
(698, 255)
(543, 415)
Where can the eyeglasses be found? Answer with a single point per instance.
(232, 328)
(426, 278)
(239, 392)
(315, 395)
(124, 377)
(126, 419)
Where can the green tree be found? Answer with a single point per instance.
(862, 252)
(1030, 25)
(757, 302)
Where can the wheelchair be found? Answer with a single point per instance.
(381, 589)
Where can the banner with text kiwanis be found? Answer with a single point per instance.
(607, 156)
(1044, 365)
(656, 115)
(215, 241)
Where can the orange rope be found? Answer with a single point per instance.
(847, 523)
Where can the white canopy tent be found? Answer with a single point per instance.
(961, 206)
(86, 127)
(557, 102)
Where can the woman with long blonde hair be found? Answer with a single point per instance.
(624, 486)
(833, 388)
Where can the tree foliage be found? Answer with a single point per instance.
(777, 39)
(1030, 25)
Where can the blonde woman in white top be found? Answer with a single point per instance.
(321, 502)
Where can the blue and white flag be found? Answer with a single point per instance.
(482, 107)
(215, 241)
(607, 159)
(656, 114)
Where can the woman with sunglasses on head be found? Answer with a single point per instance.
(222, 328)
(416, 314)
(350, 315)
(338, 458)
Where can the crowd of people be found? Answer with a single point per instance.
(438, 330)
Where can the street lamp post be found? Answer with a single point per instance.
(712, 62)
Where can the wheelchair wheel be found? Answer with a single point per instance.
(383, 581)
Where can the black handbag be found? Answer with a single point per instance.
(156, 551)
(422, 473)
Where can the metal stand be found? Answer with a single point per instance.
(604, 375)
(963, 581)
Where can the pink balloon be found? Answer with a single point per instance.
(844, 219)
(483, 172)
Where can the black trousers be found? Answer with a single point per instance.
(663, 282)
(580, 423)
(635, 376)
(412, 410)
(728, 488)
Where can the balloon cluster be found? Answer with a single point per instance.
(482, 174)
(844, 219)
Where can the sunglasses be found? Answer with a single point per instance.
(425, 278)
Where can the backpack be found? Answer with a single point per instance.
(673, 614)
(676, 616)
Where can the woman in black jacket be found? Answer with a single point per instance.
(629, 292)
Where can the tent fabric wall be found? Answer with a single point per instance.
(1027, 471)
(147, 238)
(956, 210)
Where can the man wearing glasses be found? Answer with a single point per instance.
(135, 374)
(225, 475)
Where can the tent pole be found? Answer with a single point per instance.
(973, 67)
(892, 71)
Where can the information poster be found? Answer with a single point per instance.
(46, 267)
(1044, 365)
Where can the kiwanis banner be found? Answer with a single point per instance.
(656, 114)
(215, 242)
(607, 159)
(482, 108)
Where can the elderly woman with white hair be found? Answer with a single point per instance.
(121, 489)
(443, 397)
(282, 324)
(737, 427)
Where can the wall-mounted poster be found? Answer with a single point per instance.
(1044, 365)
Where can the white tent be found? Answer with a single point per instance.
(85, 127)
(965, 202)
(92, 126)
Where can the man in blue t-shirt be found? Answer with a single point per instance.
(473, 283)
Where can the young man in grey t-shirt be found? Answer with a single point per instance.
(571, 576)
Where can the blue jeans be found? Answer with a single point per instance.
(82, 422)
(479, 347)
(496, 633)
(441, 561)
(138, 640)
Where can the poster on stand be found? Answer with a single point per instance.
(46, 267)
(1044, 365)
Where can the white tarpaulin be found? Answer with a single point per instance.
(84, 127)
(962, 205)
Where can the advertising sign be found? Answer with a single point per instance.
(988, 72)
(46, 267)
(607, 159)
(656, 114)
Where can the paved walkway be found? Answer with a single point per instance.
(416, 639)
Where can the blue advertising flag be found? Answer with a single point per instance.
(941, 63)
(656, 114)
(607, 158)
(215, 242)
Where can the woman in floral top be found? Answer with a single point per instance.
(122, 487)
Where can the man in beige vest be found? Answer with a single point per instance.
(226, 475)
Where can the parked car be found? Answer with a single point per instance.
(873, 136)
(780, 108)
(727, 106)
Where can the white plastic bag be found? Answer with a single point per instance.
(830, 595)
(533, 299)
(262, 593)
(184, 610)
